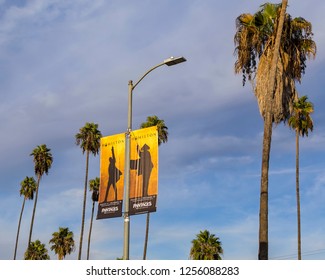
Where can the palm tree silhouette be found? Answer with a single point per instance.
(62, 242)
(28, 187)
(206, 246)
(162, 138)
(272, 49)
(94, 187)
(88, 138)
(301, 122)
(42, 163)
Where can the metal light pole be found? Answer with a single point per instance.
(169, 62)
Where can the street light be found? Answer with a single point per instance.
(169, 62)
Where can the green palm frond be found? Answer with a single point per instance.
(300, 119)
(28, 188)
(162, 128)
(63, 242)
(88, 138)
(43, 159)
(94, 187)
(254, 42)
(36, 251)
(206, 246)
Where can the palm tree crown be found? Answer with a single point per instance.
(42, 160)
(254, 42)
(94, 188)
(206, 246)
(63, 242)
(162, 128)
(36, 251)
(301, 120)
(28, 188)
(88, 138)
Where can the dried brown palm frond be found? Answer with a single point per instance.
(285, 90)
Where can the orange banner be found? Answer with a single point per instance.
(112, 157)
(143, 170)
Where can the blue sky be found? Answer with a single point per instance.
(65, 63)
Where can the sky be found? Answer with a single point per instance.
(65, 63)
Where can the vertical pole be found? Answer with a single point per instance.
(298, 195)
(126, 247)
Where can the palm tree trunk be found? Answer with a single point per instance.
(34, 210)
(18, 230)
(268, 121)
(146, 237)
(298, 196)
(83, 208)
(90, 228)
(263, 229)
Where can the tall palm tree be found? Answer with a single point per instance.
(206, 246)
(272, 49)
(301, 122)
(88, 138)
(43, 160)
(162, 138)
(94, 188)
(63, 242)
(28, 187)
(36, 251)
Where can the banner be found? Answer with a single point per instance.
(112, 157)
(143, 170)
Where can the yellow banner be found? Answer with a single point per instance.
(143, 170)
(112, 157)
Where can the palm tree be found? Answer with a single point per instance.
(36, 251)
(88, 139)
(272, 49)
(162, 138)
(94, 187)
(43, 160)
(28, 187)
(301, 122)
(206, 246)
(63, 242)
(162, 128)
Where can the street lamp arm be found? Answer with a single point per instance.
(169, 62)
(145, 74)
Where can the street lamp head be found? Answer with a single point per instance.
(174, 60)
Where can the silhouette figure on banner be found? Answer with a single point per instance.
(114, 175)
(144, 166)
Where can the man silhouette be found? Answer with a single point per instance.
(114, 175)
(145, 167)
